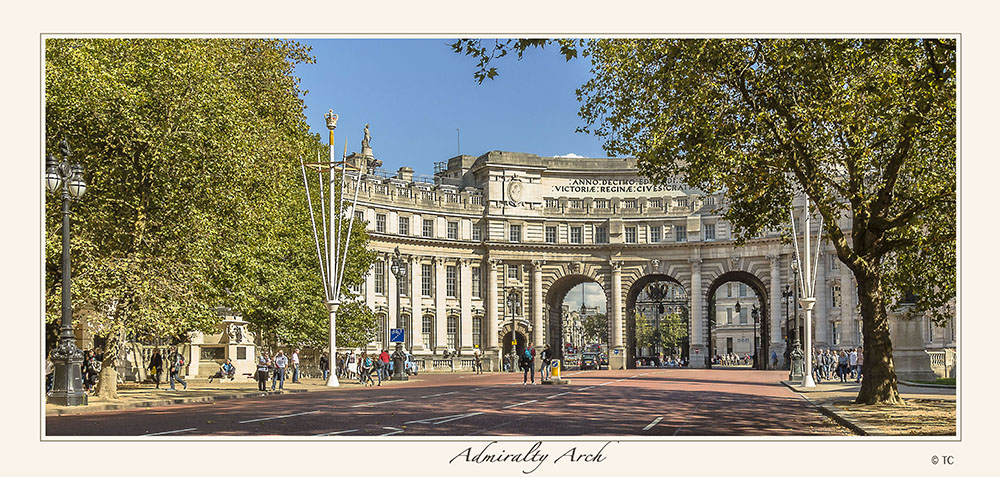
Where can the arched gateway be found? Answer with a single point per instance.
(495, 242)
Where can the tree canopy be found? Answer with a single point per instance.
(866, 128)
(195, 197)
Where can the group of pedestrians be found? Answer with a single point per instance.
(844, 364)
(174, 366)
(277, 368)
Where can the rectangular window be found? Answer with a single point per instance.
(477, 282)
(631, 204)
(655, 204)
(453, 230)
(834, 262)
(452, 331)
(380, 277)
(477, 233)
(729, 316)
(477, 332)
(601, 203)
(729, 290)
(601, 234)
(680, 233)
(359, 216)
(426, 279)
(709, 231)
(743, 315)
(426, 325)
(450, 280)
(710, 200)
(552, 203)
(835, 326)
(380, 223)
(576, 203)
(835, 296)
(681, 202)
(576, 234)
(550, 234)
(404, 226)
(654, 233)
(743, 289)
(629, 234)
(428, 228)
(515, 233)
(513, 272)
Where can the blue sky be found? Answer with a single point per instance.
(416, 92)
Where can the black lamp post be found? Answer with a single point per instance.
(512, 301)
(398, 269)
(785, 296)
(67, 387)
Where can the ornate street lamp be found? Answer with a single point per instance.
(398, 269)
(67, 388)
(512, 301)
(755, 314)
(807, 282)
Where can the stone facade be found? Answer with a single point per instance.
(493, 244)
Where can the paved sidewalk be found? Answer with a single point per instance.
(131, 396)
(930, 409)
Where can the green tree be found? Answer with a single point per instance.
(672, 331)
(194, 197)
(595, 328)
(646, 336)
(864, 127)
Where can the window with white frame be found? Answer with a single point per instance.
(729, 316)
(477, 282)
(380, 223)
(709, 231)
(576, 235)
(515, 233)
(551, 203)
(656, 203)
(655, 232)
(630, 203)
(743, 289)
(729, 290)
(601, 234)
(453, 230)
(681, 202)
(576, 203)
(630, 234)
(835, 296)
(404, 226)
(359, 215)
(451, 279)
(743, 315)
(477, 233)
(680, 233)
(550, 234)
(835, 327)
(513, 272)
(477, 332)
(403, 283)
(452, 331)
(428, 227)
(834, 262)
(380, 277)
(426, 325)
(710, 200)
(601, 203)
(426, 279)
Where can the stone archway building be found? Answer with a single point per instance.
(500, 238)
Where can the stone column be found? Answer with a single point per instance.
(777, 342)
(698, 350)
(440, 306)
(847, 307)
(492, 329)
(416, 314)
(536, 303)
(465, 293)
(617, 323)
(822, 303)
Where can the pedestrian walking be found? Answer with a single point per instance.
(280, 366)
(352, 365)
(324, 365)
(295, 366)
(860, 365)
(527, 364)
(383, 368)
(852, 362)
(842, 366)
(176, 366)
(263, 364)
(156, 367)
(477, 360)
(546, 362)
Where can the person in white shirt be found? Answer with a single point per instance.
(295, 366)
(280, 365)
(852, 361)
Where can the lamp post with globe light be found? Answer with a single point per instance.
(398, 269)
(67, 387)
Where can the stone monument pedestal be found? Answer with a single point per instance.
(698, 358)
(616, 359)
(908, 356)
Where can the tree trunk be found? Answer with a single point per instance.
(879, 383)
(107, 386)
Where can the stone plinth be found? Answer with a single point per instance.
(908, 356)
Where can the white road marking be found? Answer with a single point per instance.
(603, 384)
(336, 433)
(278, 417)
(557, 395)
(170, 432)
(584, 389)
(443, 419)
(652, 424)
(438, 394)
(395, 430)
(478, 389)
(370, 404)
(520, 404)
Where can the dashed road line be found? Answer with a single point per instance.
(520, 404)
(557, 395)
(458, 417)
(170, 432)
(584, 389)
(335, 433)
(370, 404)
(443, 419)
(604, 384)
(438, 394)
(278, 417)
(395, 430)
(653, 424)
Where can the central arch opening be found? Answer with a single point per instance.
(656, 323)
(577, 319)
(738, 331)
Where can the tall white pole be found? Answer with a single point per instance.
(334, 303)
(808, 299)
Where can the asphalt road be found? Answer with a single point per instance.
(642, 402)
